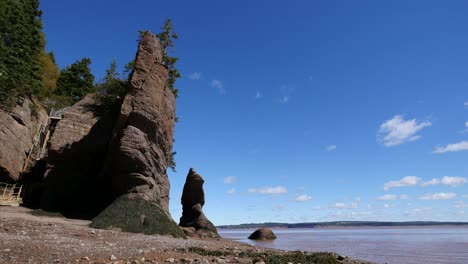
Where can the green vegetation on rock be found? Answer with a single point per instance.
(136, 215)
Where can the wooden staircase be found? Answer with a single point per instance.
(39, 146)
(10, 194)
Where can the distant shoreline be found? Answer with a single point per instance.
(343, 224)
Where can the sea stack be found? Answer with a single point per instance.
(140, 149)
(193, 220)
(263, 234)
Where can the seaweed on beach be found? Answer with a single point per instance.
(271, 257)
(137, 215)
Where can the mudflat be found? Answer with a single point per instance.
(28, 237)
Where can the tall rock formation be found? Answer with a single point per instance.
(140, 151)
(77, 150)
(193, 219)
(18, 129)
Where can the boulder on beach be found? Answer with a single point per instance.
(263, 234)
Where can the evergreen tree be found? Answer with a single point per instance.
(21, 43)
(76, 80)
(167, 37)
(113, 86)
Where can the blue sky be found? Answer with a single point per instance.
(302, 110)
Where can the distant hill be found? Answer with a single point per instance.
(341, 224)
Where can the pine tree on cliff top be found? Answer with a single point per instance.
(167, 37)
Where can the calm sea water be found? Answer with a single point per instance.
(404, 245)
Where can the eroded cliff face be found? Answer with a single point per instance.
(77, 150)
(140, 151)
(18, 129)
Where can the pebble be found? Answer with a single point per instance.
(112, 257)
(170, 260)
(92, 232)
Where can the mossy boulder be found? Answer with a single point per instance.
(137, 215)
(263, 234)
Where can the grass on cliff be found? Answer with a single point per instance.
(271, 257)
(136, 215)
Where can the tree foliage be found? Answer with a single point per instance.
(166, 38)
(113, 87)
(21, 43)
(50, 73)
(76, 80)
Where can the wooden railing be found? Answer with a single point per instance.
(10, 194)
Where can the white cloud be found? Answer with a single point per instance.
(229, 179)
(391, 197)
(466, 104)
(344, 205)
(460, 146)
(231, 191)
(285, 94)
(387, 197)
(453, 181)
(389, 205)
(466, 126)
(195, 76)
(461, 204)
(217, 84)
(419, 212)
(434, 181)
(317, 207)
(258, 95)
(405, 181)
(331, 148)
(438, 196)
(269, 190)
(303, 198)
(397, 131)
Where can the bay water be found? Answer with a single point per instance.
(393, 245)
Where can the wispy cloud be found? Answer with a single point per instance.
(303, 198)
(431, 182)
(466, 104)
(438, 196)
(405, 181)
(331, 148)
(460, 146)
(419, 212)
(397, 130)
(269, 190)
(195, 76)
(285, 94)
(389, 205)
(231, 191)
(344, 205)
(229, 179)
(390, 197)
(217, 84)
(461, 204)
(258, 95)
